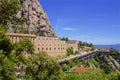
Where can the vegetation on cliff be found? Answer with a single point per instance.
(8, 9)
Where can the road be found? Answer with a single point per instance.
(76, 56)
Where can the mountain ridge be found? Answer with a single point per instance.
(116, 46)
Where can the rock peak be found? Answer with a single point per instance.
(36, 18)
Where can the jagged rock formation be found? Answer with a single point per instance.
(117, 65)
(107, 61)
(35, 18)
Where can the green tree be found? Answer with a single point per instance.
(18, 24)
(80, 44)
(77, 62)
(76, 52)
(64, 38)
(7, 67)
(70, 51)
(25, 45)
(107, 68)
(70, 63)
(18, 49)
(114, 75)
(83, 44)
(7, 10)
(85, 75)
(5, 43)
(65, 67)
(43, 67)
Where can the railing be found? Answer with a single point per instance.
(79, 56)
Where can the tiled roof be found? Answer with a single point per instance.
(72, 41)
(22, 35)
(81, 68)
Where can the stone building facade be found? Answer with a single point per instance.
(73, 44)
(15, 37)
(53, 46)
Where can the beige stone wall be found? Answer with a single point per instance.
(53, 46)
(15, 37)
(73, 44)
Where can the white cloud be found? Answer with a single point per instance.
(69, 29)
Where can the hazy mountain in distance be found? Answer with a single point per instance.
(116, 46)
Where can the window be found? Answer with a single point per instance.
(42, 48)
(38, 49)
(50, 49)
(46, 48)
(15, 38)
(54, 48)
(12, 39)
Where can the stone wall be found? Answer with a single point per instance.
(53, 46)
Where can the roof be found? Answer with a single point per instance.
(21, 35)
(104, 50)
(72, 41)
(81, 69)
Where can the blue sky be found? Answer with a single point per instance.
(95, 21)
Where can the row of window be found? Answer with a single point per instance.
(50, 49)
(48, 39)
(50, 45)
(71, 42)
(18, 38)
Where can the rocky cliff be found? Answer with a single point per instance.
(33, 19)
